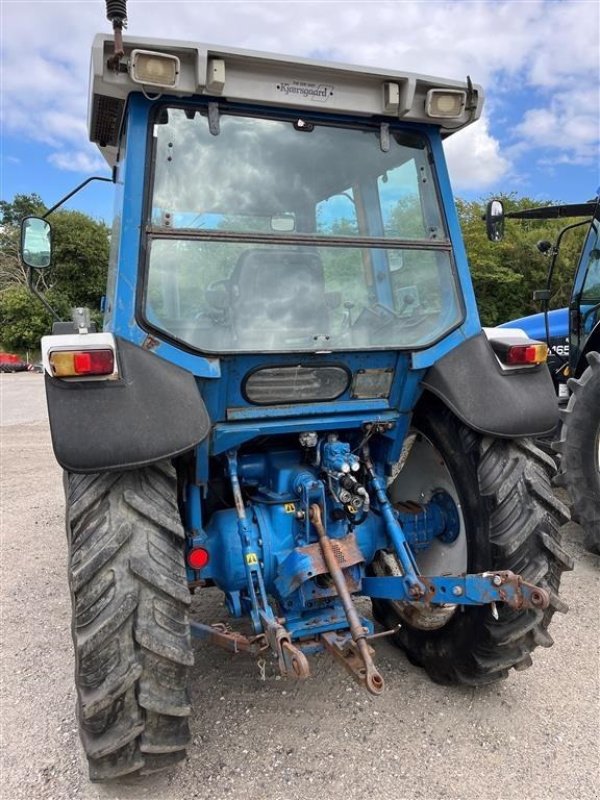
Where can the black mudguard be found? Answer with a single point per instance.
(470, 381)
(153, 411)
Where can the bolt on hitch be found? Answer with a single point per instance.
(291, 660)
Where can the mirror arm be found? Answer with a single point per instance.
(39, 296)
(75, 190)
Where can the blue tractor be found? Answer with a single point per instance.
(292, 398)
(573, 338)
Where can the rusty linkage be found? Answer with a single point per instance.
(232, 641)
(291, 660)
(366, 673)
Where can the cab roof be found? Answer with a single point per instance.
(269, 80)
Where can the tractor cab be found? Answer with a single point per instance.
(585, 300)
(282, 206)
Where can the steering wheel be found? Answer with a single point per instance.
(217, 296)
(377, 318)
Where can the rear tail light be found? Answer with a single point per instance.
(198, 558)
(77, 363)
(519, 351)
(520, 354)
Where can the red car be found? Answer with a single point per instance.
(9, 362)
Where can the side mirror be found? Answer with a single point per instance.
(36, 243)
(494, 221)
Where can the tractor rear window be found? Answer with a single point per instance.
(278, 235)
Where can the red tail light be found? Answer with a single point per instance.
(526, 354)
(72, 363)
(198, 558)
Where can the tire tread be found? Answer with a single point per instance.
(130, 623)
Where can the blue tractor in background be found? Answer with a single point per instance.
(292, 398)
(573, 338)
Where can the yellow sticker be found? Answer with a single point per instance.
(251, 558)
(289, 508)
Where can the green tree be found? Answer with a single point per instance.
(24, 320)
(22, 205)
(77, 275)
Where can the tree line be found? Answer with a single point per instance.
(505, 274)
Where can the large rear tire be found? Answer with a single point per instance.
(130, 624)
(510, 520)
(579, 450)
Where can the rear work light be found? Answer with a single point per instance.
(154, 69)
(522, 354)
(81, 363)
(445, 103)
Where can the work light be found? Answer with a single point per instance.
(154, 69)
(445, 103)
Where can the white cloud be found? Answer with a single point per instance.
(474, 158)
(568, 127)
(504, 45)
(78, 161)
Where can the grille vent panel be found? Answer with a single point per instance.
(297, 384)
(106, 120)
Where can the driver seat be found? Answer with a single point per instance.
(278, 296)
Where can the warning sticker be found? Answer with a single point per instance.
(289, 508)
(251, 558)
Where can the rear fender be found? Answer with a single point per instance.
(509, 403)
(148, 410)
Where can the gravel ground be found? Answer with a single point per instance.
(534, 735)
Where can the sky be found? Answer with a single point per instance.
(538, 61)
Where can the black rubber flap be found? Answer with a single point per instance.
(153, 411)
(512, 404)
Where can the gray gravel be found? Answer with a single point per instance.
(535, 735)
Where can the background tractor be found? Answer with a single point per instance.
(292, 397)
(576, 366)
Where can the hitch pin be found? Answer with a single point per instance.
(373, 678)
(383, 634)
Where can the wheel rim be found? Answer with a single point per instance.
(423, 471)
